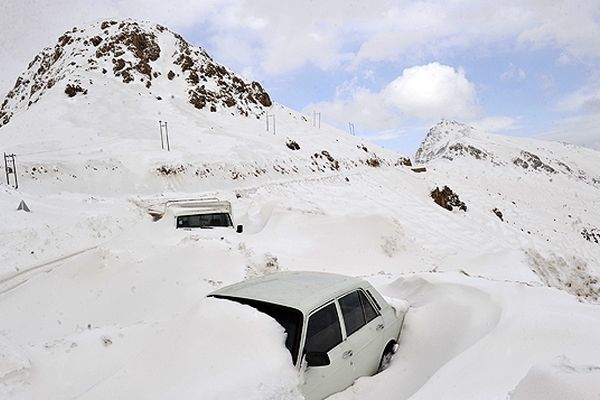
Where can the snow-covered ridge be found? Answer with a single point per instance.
(452, 140)
(132, 52)
(92, 103)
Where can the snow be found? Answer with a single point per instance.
(98, 301)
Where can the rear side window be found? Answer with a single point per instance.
(323, 332)
(373, 299)
(370, 312)
(354, 318)
(357, 311)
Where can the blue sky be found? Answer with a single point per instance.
(393, 68)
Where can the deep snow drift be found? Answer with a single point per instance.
(98, 301)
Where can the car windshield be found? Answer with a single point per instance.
(204, 220)
(289, 318)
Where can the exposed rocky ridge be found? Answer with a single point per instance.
(134, 53)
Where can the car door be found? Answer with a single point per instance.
(324, 335)
(364, 330)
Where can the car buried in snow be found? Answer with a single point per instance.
(338, 328)
(203, 213)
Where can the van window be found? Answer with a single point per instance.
(204, 220)
(323, 332)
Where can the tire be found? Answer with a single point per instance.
(386, 358)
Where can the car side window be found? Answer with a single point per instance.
(354, 317)
(370, 313)
(373, 298)
(357, 311)
(323, 331)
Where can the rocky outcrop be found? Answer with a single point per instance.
(133, 52)
(528, 160)
(447, 198)
(592, 235)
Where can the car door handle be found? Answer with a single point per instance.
(379, 327)
(347, 354)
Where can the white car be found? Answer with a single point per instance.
(338, 327)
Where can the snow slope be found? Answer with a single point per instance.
(98, 301)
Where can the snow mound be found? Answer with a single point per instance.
(559, 380)
(445, 319)
(14, 366)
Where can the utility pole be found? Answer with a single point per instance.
(164, 135)
(317, 119)
(351, 128)
(269, 116)
(10, 167)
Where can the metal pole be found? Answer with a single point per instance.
(6, 168)
(317, 119)
(274, 125)
(162, 146)
(167, 136)
(267, 122)
(15, 171)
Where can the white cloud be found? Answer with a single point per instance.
(368, 111)
(426, 92)
(283, 36)
(513, 72)
(583, 125)
(496, 124)
(574, 28)
(583, 130)
(433, 91)
(584, 100)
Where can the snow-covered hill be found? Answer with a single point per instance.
(98, 301)
(95, 100)
(544, 193)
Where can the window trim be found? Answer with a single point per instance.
(307, 320)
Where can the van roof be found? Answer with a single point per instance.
(200, 206)
(301, 290)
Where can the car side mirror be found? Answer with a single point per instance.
(239, 229)
(317, 359)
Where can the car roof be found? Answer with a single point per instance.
(302, 290)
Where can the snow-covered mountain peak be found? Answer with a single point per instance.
(472, 147)
(439, 137)
(138, 54)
